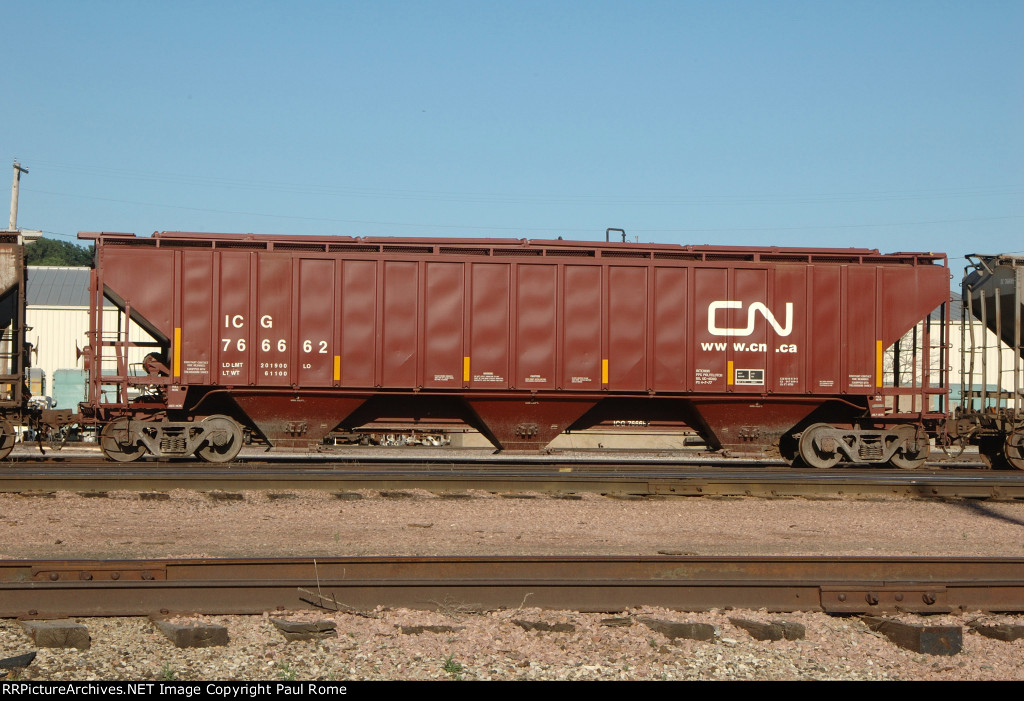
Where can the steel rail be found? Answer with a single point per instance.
(390, 458)
(845, 585)
(654, 481)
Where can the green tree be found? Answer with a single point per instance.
(50, 252)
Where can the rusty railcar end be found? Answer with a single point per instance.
(14, 349)
(989, 413)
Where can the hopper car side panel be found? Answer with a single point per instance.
(315, 298)
(522, 340)
(536, 328)
(359, 322)
(826, 322)
(194, 327)
(670, 329)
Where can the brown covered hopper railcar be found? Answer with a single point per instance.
(829, 354)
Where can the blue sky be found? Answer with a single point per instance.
(893, 125)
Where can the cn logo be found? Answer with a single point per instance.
(753, 309)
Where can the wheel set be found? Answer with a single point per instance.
(215, 439)
(823, 446)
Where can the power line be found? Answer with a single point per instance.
(617, 199)
(333, 220)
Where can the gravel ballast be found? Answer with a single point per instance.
(492, 645)
(413, 522)
(477, 645)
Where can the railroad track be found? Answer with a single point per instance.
(611, 479)
(841, 585)
(89, 453)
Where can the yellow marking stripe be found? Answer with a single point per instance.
(177, 352)
(465, 369)
(729, 374)
(337, 368)
(604, 371)
(879, 355)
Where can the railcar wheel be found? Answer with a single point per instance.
(1013, 449)
(907, 460)
(7, 438)
(817, 448)
(223, 439)
(789, 449)
(992, 452)
(115, 442)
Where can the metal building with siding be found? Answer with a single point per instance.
(58, 319)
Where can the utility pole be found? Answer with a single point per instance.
(18, 170)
